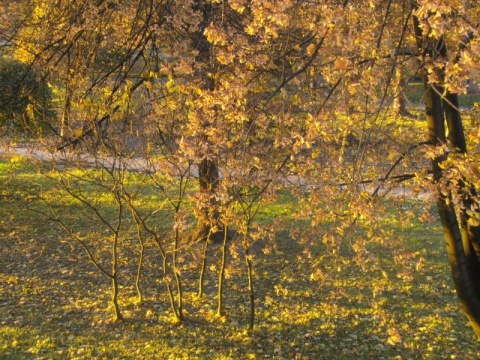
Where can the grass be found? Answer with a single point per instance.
(415, 92)
(392, 300)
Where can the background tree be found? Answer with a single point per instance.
(26, 97)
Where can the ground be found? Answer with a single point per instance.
(396, 301)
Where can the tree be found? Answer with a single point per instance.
(457, 197)
(249, 96)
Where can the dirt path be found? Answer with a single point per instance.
(62, 159)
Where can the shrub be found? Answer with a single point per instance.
(25, 99)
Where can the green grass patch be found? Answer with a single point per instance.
(415, 92)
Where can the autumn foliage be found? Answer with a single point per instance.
(221, 106)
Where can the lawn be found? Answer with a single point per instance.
(395, 301)
(415, 92)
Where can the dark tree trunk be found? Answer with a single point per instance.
(208, 227)
(400, 101)
(462, 239)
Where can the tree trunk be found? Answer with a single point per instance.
(208, 227)
(462, 240)
(65, 119)
(400, 100)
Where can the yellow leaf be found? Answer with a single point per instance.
(341, 64)
(392, 156)
(238, 7)
(310, 49)
(30, 112)
(394, 337)
(170, 84)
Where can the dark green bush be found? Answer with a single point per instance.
(25, 97)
